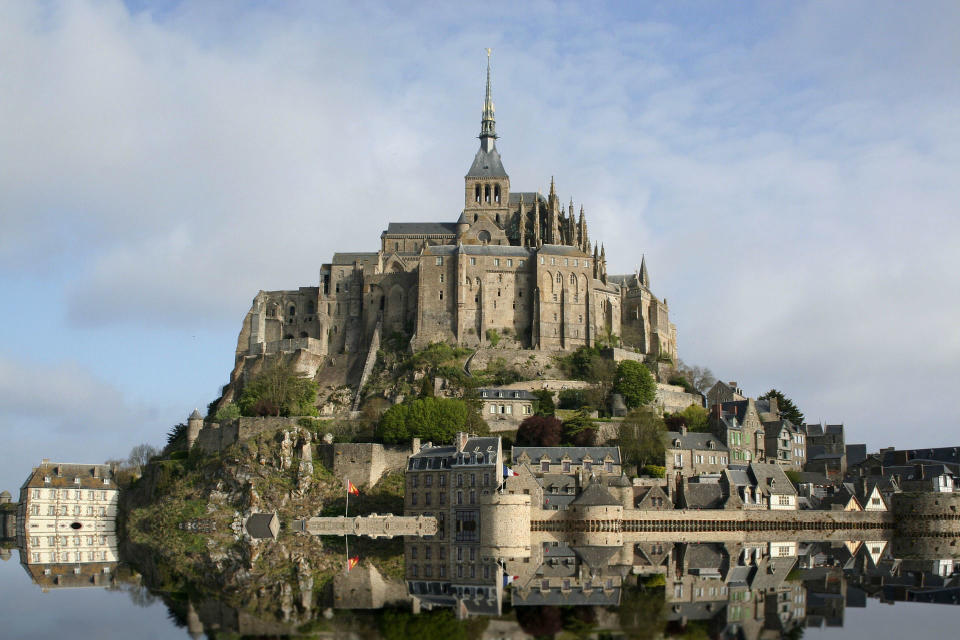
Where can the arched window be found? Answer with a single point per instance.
(476, 193)
(475, 216)
(573, 279)
(486, 193)
(496, 195)
(559, 279)
(293, 310)
(498, 218)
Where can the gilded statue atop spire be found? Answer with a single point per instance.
(488, 124)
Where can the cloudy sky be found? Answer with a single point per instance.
(789, 169)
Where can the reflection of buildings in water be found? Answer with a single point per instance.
(67, 516)
(71, 576)
(458, 484)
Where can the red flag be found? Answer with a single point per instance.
(351, 488)
(352, 562)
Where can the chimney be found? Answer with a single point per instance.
(96, 471)
(683, 429)
(733, 384)
(415, 446)
(460, 440)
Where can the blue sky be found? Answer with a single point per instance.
(789, 170)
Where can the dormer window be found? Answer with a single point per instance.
(676, 443)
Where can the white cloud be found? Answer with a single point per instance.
(790, 177)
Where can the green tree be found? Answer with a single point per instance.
(635, 383)
(227, 413)
(696, 418)
(579, 431)
(279, 391)
(434, 419)
(641, 438)
(545, 405)
(788, 410)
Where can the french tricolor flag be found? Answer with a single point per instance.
(508, 579)
(508, 472)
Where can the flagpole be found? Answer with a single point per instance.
(347, 506)
(347, 541)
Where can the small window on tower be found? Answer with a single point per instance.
(439, 260)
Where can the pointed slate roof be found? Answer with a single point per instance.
(595, 496)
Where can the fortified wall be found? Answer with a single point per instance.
(213, 436)
(364, 463)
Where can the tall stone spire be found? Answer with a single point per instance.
(584, 240)
(644, 276)
(488, 124)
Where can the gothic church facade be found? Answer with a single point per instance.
(516, 263)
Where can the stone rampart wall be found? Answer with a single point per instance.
(214, 436)
(363, 463)
(927, 512)
(373, 526)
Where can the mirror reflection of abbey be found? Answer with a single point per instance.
(518, 263)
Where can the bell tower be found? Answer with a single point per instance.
(487, 185)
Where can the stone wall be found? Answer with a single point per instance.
(671, 398)
(217, 437)
(363, 587)
(363, 463)
(372, 526)
(927, 512)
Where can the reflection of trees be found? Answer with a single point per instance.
(540, 621)
(642, 612)
(437, 624)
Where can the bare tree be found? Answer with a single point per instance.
(140, 455)
(701, 378)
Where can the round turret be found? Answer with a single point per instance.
(5, 497)
(505, 525)
(463, 224)
(194, 424)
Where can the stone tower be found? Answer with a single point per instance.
(486, 186)
(194, 424)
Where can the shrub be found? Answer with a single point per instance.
(493, 337)
(654, 470)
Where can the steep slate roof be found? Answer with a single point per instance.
(694, 440)
(698, 495)
(421, 228)
(856, 453)
(67, 475)
(562, 250)
(528, 197)
(576, 595)
(703, 556)
(595, 557)
(576, 454)
(263, 525)
(487, 164)
(595, 496)
(764, 471)
(508, 394)
(350, 258)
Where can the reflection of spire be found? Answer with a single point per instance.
(488, 125)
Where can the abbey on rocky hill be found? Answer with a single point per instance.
(516, 265)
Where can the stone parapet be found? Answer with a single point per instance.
(372, 526)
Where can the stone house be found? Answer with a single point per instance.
(826, 451)
(785, 444)
(450, 482)
(563, 472)
(737, 425)
(691, 453)
(67, 514)
(762, 485)
(505, 409)
(722, 392)
(651, 498)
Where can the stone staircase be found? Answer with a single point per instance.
(368, 364)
